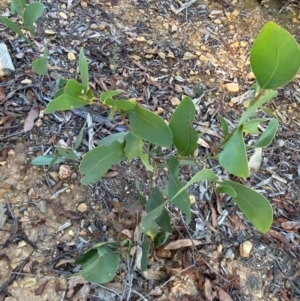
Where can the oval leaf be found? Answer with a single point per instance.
(46, 160)
(268, 135)
(32, 12)
(70, 99)
(179, 199)
(181, 124)
(84, 71)
(150, 127)
(202, 175)
(275, 57)
(254, 205)
(40, 66)
(233, 157)
(97, 161)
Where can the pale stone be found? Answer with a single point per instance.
(189, 56)
(26, 81)
(63, 15)
(101, 26)
(161, 55)
(71, 56)
(217, 21)
(175, 101)
(82, 207)
(141, 39)
(11, 152)
(64, 172)
(174, 28)
(50, 31)
(246, 248)
(243, 43)
(94, 26)
(232, 87)
(166, 26)
(171, 55)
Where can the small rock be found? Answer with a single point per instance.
(54, 176)
(141, 39)
(161, 55)
(11, 152)
(178, 88)
(203, 58)
(192, 199)
(101, 26)
(243, 43)
(189, 56)
(50, 32)
(217, 21)
(250, 76)
(174, 28)
(71, 56)
(64, 172)
(26, 81)
(171, 55)
(82, 207)
(235, 13)
(232, 87)
(175, 101)
(94, 26)
(166, 26)
(71, 233)
(63, 15)
(245, 248)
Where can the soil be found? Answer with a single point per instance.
(150, 51)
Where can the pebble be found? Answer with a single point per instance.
(175, 101)
(189, 56)
(71, 56)
(232, 87)
(82, 207)
(141, 39)
(246, 248)
(64, 172)
(63, 15)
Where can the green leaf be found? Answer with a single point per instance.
(181, 124)
(40, 66)
(251, 127)
(180, 200)
(105, 96)
(202, 175)
(32, 12)
(254, 205)
(97, 161)
(155, 200)
(101, 269)
(228, 190)
(150, 127)
(132, 146)
(122, 105)
(72, 98)
(274, 57)
(224, 126)
(268, 135)
(148, 220)
(108, 140)
(11, 25)
(261, 101)
(79, 137)
(67, 153)
(233, 157)
(161, 238)
(84, 71)
(87, 256)
(145, 252)
(17, 6)
(144, 156)
(46, 160)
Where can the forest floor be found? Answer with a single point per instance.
(154, 52)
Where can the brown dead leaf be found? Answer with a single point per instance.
(2, 93)
(39, 291)
(281, 238)
(57, 286)
(182, 243)
(214, 216)
(59, 210)
(223, 296)
(28, 267)
(83, 293)
(32, 115)
(207, 290)
(64, 261)
(111, 174)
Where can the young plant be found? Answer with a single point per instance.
(29, 13)
(272, 66)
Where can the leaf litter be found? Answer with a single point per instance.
(145, 51)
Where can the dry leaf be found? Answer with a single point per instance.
(39, 291)
(255, 160)
(32, 115)
(223, 296)
(111, 174)
(182, 243)
(280, 237)
(207, 290)
(2, 93)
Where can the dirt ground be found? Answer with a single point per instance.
(156, 52)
